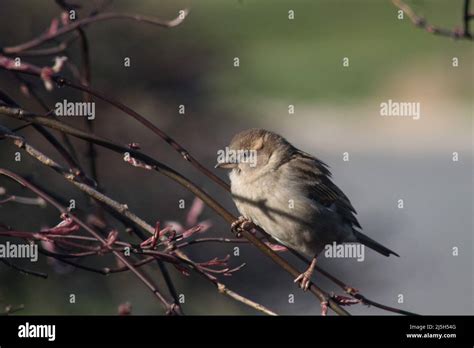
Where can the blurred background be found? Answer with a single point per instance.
(337, 109)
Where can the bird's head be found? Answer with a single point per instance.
(253, 152)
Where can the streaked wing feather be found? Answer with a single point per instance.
(322, 189)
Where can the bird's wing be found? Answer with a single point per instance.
(315, 174)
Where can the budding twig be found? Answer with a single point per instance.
(72, 26)
(420, 22)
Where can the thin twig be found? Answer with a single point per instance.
(10, 309)
(23, 200)
(60, 48)
(23, 270)
(47, 36)
(422, 23)
(222, 289)
(466, 19)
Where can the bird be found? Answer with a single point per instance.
(290, 194)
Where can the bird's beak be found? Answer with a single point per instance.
(226, 165)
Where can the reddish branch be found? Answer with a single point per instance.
(62, 240)
(49, 34)
(457, 33)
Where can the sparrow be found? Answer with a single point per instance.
(290, 194)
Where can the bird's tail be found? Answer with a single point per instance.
(372, 244)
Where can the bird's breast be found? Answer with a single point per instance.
(279, 208)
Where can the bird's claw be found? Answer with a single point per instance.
(304, 280)
(242, 223)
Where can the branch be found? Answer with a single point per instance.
(21, 200)
(353, 292)
(60, 48)
(10, 309)
(466, 18)
(422, 23)
(48, 36)
(23, 270)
